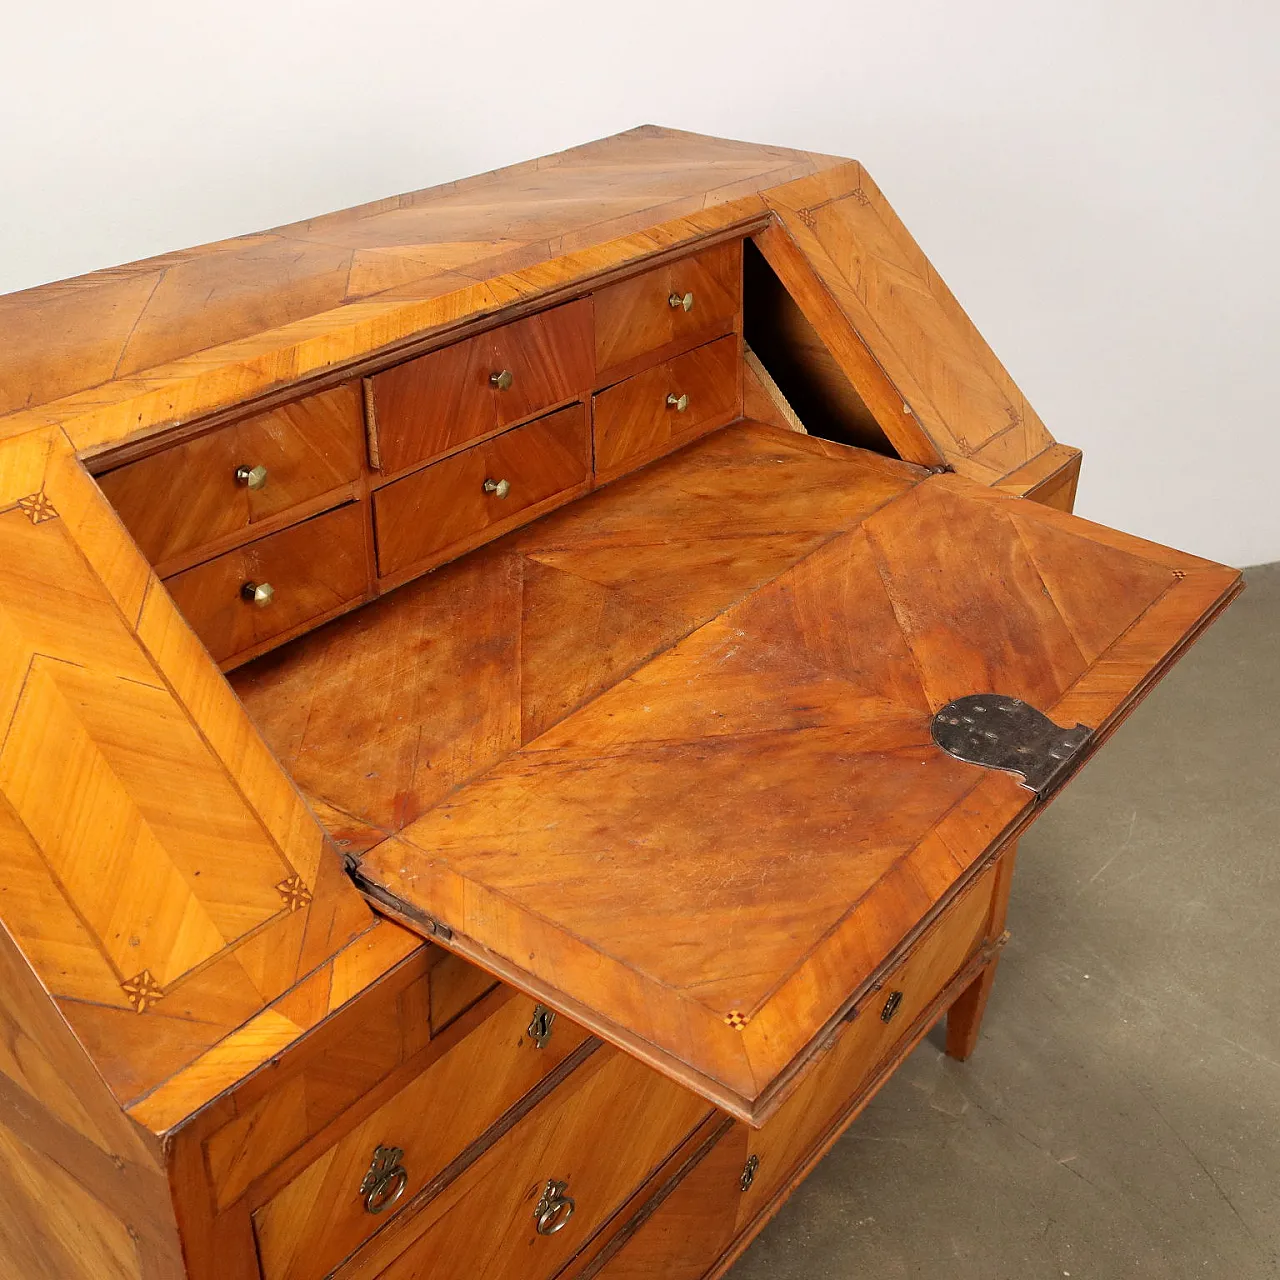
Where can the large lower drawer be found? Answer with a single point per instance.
(206, 491)
(444, 509)
(531, 1201)
(261, 592)
(321, 1216)
(883, 1018)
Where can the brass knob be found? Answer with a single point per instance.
(500, 380)
(553, 1211)
(499, 488)
(891, 1006)
(252, 477)
(259, 593)
(678, 301)
(678, 403)
(386, 1180)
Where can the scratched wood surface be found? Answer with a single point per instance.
(762, 624)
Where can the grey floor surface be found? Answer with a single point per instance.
(1121, 1116)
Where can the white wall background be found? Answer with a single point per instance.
(1097, 180)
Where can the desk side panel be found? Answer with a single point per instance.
(162, 876)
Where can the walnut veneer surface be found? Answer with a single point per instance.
(660, 759)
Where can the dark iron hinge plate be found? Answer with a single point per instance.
(372, 889)
(999, 732)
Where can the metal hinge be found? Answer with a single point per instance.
(372, 889)
(1000, 732)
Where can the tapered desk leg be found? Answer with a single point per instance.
(964, 1018)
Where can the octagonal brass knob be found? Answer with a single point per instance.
(678, 403)
(500, 380)
(258, 593)
(252, 477)
(499, 488)
(680, 302)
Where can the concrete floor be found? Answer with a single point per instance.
(1120, 1119)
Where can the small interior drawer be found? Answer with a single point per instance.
(884, 1017)
(427, 406)
(440, 511)
(663, 407)
(301, 573)
(572, 1162)
(680, 304)
(320, 1217)
(206, 491)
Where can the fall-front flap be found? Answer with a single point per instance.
(707, 806)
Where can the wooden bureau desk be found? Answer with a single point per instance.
(517, 704)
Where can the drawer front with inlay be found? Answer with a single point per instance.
(207, 490)
(259, 592)
(426, 407)
(451, 505)
(884, 1017)
(531, 1201)
(680, 304)
(361, 1182)
(654, 411)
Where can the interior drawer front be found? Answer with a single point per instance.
(435, 403)
(209, 489)
(311, 569)
(641, 418)
(445, 508)
(319, 1218)
(836, 1080)
(602, 1134)
(647, 313)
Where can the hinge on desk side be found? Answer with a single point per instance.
(999, 732)
(372, 889)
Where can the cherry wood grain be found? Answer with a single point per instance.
(633, 422)
(687, 1231)
(314, 568)
(603, 1133)
(807, 704)
(425, 407)
(125, 351)
(187, 497)
(195, 903)
(456, 670)
(637, 317)
(423, 519)
(319, 1218)
(84, 1194)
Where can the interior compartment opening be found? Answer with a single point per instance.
(814, 386)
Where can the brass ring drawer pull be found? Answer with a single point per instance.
(678, 403)
(554, 1210)
(499, 488)
(891, 1006)
(680, 301)
(386, 1180)
(258, 593)
(252, 477)
(501, 380)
